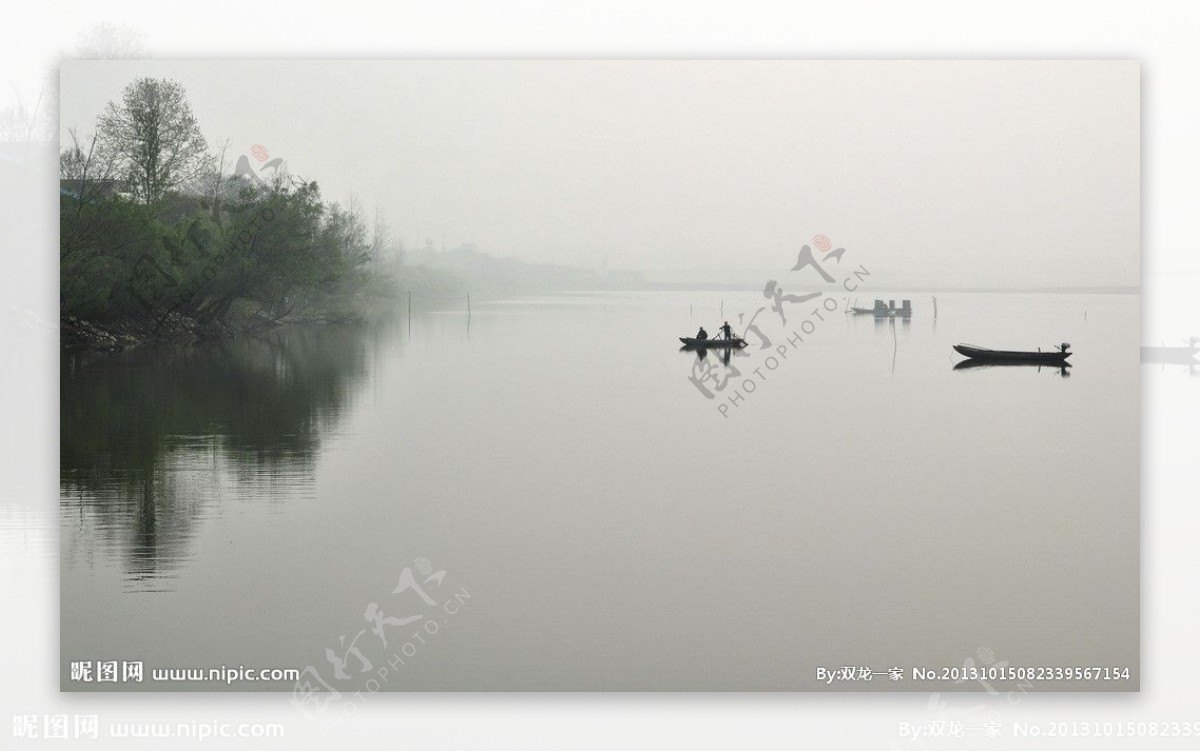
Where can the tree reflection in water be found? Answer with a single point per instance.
(152, 438)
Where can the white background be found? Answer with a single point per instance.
(1161, 36)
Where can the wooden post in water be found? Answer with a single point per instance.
(935, 306)
(468, 307)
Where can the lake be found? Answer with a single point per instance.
(562, 505)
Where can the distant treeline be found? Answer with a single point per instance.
(489, 275)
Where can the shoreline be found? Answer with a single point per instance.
(81, 335)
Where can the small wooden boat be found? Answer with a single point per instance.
(700, 344)
(1015, 356)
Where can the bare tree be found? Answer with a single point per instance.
(213, 181)
(154, 137)
(73, 160)
(85, 171)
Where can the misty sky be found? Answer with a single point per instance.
(973, 173)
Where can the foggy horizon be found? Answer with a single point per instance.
(933, 174)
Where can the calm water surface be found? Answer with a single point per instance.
(600, 522)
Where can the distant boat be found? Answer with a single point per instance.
(1015, 356)
(692, 343)
(883, 310)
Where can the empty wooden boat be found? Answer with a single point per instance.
(1015, 356)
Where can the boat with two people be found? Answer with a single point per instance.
(702, 341)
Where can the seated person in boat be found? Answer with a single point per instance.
(727, 331)
(701, 334)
